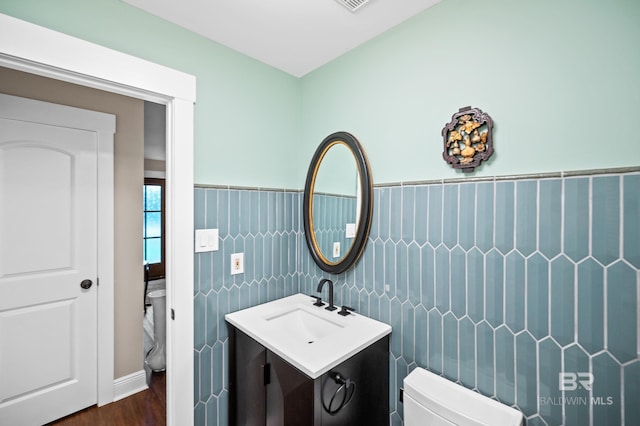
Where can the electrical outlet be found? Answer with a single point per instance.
(350, 230)
(336, 249)
(237, 263)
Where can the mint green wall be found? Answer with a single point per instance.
(559, 78)
(246, 115)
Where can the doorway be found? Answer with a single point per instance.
(49, 214)
(154, 237)
(58, 56)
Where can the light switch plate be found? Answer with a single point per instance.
(237, 263)
(206, 240)
(336, 249)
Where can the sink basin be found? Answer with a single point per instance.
(310, 338)
(304, 325)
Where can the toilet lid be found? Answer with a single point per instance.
(459, 405)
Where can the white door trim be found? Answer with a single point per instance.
(38, 50)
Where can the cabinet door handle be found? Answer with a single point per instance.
(266, 373)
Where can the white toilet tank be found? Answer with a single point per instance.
(431, 400)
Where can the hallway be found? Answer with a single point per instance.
(143, 408)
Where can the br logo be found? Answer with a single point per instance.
(571, 381)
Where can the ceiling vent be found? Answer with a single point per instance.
(353, 5)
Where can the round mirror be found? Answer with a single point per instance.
(337, 205)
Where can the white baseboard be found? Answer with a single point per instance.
(130, 384)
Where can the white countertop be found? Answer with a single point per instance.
(309, 337)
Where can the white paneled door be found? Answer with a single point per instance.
(48, 263)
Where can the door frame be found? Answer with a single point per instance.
(38, 50)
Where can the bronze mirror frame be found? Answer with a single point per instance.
(354, 252)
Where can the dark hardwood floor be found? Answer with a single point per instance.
(143, 408)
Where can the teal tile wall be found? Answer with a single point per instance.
(265, 226)
(499, 286)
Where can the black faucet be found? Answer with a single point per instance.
(319, 290)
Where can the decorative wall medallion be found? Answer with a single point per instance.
(467, 139)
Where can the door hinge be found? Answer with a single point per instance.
(173, 314)
(266, 373)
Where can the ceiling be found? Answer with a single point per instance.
(295, 36)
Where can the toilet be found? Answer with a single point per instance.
(431, 400)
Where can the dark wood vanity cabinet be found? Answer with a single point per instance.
(266, 390)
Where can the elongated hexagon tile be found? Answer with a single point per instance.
(467, 215)
(200, 318)
(200, 413)
(212, 411)
(414, 272)
(562, 304)
(428, 276)
(550, 217)
(484, 215)
(421, 205)
(622, 311)
(505, 216)
(234, 212)
(467, 352)
(205, 373)
(606, 399)
(575, 361)
(485, 355)
(223, 309)
(408, 328)
(408, 213)
(494, 288)
(390, 264)
(450, 346)
(435, 215)
(217, 360)
(401, 269)
(550, 361)
(395, 320)
(631, 212)
(514, 291)
(443, 271)
(591, 306)
(384, 206)
(526, 367)
(526, 216)
(632, 392)
(505, 366)
(223, 414)
(205, 273)
(395, 226)
(196, 372)
(450, 216)
(435, 341)
(211, 313)
(576, 218)
(538, 296)
(475, 285)
(605, 225)
(458, 282)
(379, 267)
(421, 318)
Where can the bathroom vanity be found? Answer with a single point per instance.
(293, 363)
